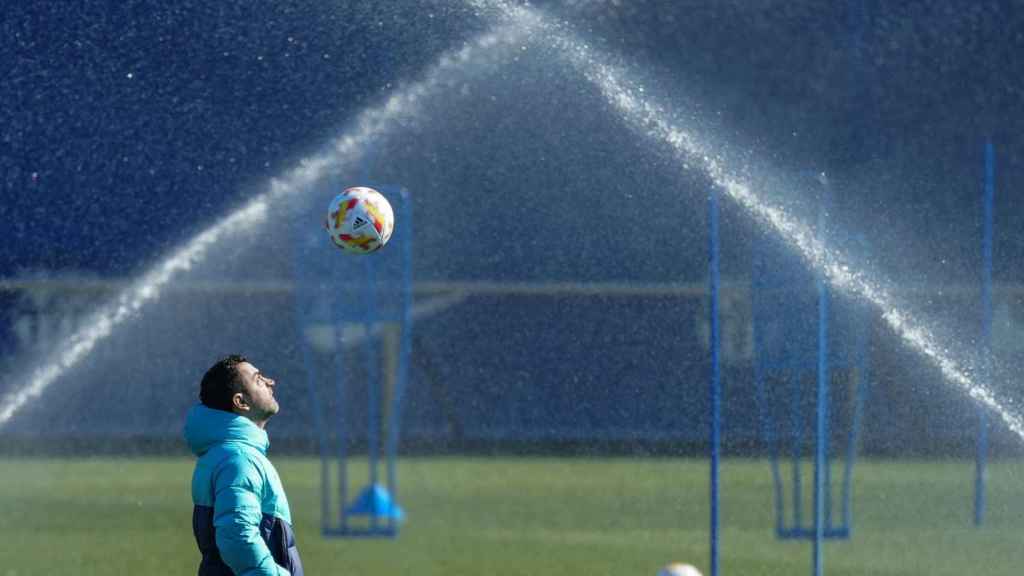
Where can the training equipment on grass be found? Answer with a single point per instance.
(360, 220)
(811, 377)
(355, 331)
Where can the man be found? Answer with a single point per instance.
(241, 518)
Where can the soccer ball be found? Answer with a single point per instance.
(677, 569)
(360, 220)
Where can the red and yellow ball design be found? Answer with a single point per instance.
(360, 220)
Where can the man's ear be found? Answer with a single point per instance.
(238, 402)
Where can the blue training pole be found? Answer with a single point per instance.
(338, 365)
(373, 382)
(715, 385)
(767, 424)
(796, 452)
(304, 283)
(981, 456)
(405, 348)
(821, 433)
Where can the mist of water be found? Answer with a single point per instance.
(401, 111)
(627, 97)
(653, 120)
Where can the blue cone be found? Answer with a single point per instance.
(375, 501)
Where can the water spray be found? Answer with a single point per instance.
(651, 119)
(401, 110)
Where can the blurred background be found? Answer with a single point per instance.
(166, 169)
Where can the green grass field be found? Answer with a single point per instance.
(519, 516)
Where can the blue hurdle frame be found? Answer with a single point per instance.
(372, 512)
(823, 524)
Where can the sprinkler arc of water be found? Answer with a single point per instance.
(402, 107)
(650, 119)
(147, 289)
(621, 95)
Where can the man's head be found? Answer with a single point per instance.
(233, 384)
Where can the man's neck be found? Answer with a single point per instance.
(262, 424)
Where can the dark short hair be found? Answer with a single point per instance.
(221, 382)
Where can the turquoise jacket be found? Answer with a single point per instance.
(240, 505)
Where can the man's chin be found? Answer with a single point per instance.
(270, 411)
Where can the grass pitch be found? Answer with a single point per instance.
(520, 516)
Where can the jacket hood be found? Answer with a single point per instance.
(207, 427)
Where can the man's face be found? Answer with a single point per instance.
(257, 394)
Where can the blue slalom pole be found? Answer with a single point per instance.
(796, 452)
(715, 385)
(767, 424)
(338, 365)
(303, 321)
(981, 456)
(373, 381)
(405, 349)
(861, 384)
(821, 432)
